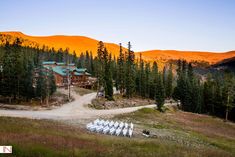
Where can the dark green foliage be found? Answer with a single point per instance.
(45, 84)
(153, 80)
(188, 89)
(215, 95)
(52, 83)
(169, 82)
(130, 72)
(228, 93)
(104, 71)
(100, 64)
(120, 81)
(147, 80)
(7, 72)
(108, 78)
(41, 84)
(142, 78)
(28, 84)
(18, 71)
(160, 93)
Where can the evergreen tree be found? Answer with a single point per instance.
(101, 54)
(41, 84)
(164, 76)
(17, 68)
(66, 55)
(183, 90)
(130, 72)
(74, 58)
(147, 80)
(87, 61)
(153, 80)
(121, 71)
(81, 61)
(108, 76)
(229, 93)
(169, 82)
(209, 95)
(8, 73)
(59, 55)
(28, 85)
(92, 70)
(142, 78)
(196, 96)
(52, 83)
(178, 93)
(160, 93)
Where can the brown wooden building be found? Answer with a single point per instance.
(69, 73)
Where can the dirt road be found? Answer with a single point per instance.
(71, 111)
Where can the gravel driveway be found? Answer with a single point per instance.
(71, 111)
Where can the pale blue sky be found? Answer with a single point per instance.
(207, 25)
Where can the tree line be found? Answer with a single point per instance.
(131, 75)
(213, 94)
(22, 77)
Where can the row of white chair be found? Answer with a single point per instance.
(112, 128)
(113, 124)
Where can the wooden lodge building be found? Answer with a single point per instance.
(77, 76)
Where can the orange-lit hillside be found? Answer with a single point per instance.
(165, 55)
(74, 43)
(81, 44)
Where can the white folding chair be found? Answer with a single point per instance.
(118, 131)
(132, 126)
(124, 131)
(121, 125)
(101, 122)
(111, 124)
(130, 132)
(93, 127)
(126, 125)
(99, 128)
(96, 121)
(88, 126)
(106, 123)
(116, 124)
(112, 131)
(106, 130)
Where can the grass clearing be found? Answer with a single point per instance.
(49, 138)
(200, 131)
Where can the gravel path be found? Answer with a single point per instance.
(71, 111)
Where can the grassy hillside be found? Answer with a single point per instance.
(165, 55)
(74, 43)
(178, 135)
(81, 44)
(185, 128)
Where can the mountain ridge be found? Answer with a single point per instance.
(82, 43)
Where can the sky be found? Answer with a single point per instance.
(198, 25)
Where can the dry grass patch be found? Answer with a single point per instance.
(39, 138)
(199, 131)
(119, 102)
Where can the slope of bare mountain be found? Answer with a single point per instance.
(165, 55)
(74, 43)
(81, 44)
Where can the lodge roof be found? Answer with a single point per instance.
(60, 69)
(48, 62)
(56, 63)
